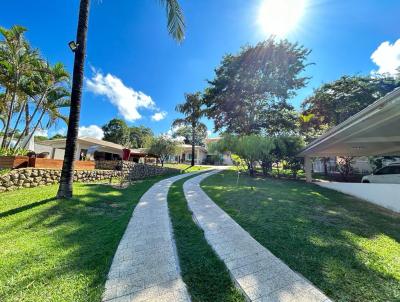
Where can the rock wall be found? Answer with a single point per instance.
(119, 165)
(139, 171)
(30, 177)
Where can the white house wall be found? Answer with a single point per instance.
(385, 195)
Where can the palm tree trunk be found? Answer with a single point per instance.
(27, 120)
(26, 129)
(16, 124)
(9, 116)
(65, 188)
(193, 143)
(34, 129)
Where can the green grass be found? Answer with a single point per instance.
(185, 168)
(349, 248)
(203, 272)
(52, 250)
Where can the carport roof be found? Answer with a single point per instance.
(374, 130)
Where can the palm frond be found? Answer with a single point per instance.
(175, 19)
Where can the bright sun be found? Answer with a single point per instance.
(278, 17)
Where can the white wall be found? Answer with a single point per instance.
(385, 195)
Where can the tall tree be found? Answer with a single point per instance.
(17, 62)
(186, 133)
(334, 102)
(176, 27)
(192, 109)
(162, 147)
(117, 131)
(139, 135)
(252, 88)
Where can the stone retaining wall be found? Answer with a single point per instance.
(119, 165)
(139, 171)
(30, 177)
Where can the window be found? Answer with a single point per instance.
(395, 169)
(383, 171)
(388, 170)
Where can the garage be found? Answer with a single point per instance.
(373, 131)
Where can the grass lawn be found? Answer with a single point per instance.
(349, 248)
(185, 168)
(53, 250)
(203, 272)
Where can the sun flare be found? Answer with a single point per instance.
(279, 17)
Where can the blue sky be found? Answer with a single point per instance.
(134, 69)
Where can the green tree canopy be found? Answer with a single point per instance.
(163, 147)
(252, 88)
(334, 102)
(139, 135)
(117, 131)
(186, 133)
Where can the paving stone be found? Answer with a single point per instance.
(260, 275)
(145, 266)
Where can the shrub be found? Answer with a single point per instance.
(12, 152)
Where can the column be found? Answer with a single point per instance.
(308, 168)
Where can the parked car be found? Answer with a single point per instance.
(389, 175)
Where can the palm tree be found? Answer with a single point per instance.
(17, 61)
(46, 85)
(176, 28)
(193, 113)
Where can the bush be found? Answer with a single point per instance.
(13, 152)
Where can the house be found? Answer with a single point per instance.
(90, 148)
(225, 158)
(184, 154)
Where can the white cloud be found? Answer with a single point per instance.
(158, 116)
(61, 131)
(127, 100)
(41, 132)
(387, 58)
(91, 131)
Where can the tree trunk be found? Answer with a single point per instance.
(65, 188)
(26, 129)
(27, 120)
(193, 143)
(34, 129)
(16, 124)
(9, 116)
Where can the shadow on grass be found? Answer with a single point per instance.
(65, 247)
(27, 207)
(347, 247)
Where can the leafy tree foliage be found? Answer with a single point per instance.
(334, 102)
(57, 136)
(187, 134)
(28, 82)
(163, 147)
(117, 131)
(256, 149)
(251, 89)
(139, 135)
(192, 110)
